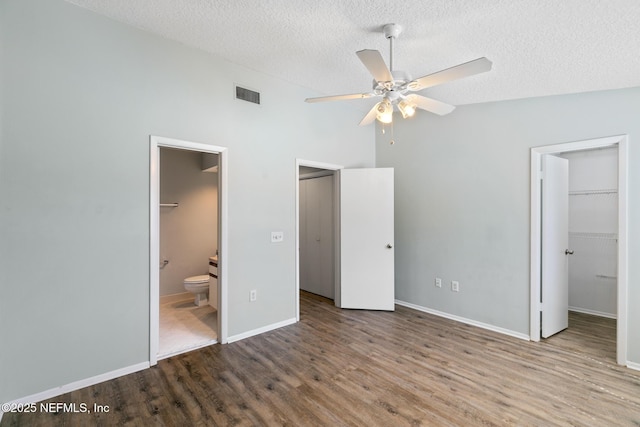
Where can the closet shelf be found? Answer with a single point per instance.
(592, 192)
(585, 235)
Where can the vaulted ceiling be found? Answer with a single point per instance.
(538, 48)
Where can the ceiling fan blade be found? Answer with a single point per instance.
(370, 117)
(340, 97)
(467, 69)
(430, 104)
(372, 59)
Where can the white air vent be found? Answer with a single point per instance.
(247, 95)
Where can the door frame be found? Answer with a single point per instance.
(155, 143)
(336, 228)
(621, 141)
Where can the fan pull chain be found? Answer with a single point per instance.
(384, 131)
(392, 137)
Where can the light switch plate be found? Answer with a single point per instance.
(277, 236)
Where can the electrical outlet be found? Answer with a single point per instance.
(253, 295)
(455, 286)
(438, 282)
(277, 236)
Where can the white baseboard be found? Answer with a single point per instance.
(76, 385)
(592, 312)
(465, 320)
(634, 366)
(261, 330)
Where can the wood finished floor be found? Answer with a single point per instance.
(358, 368)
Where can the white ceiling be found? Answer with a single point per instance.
(541, 47)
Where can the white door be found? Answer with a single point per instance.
(555, 240)
(366, 239)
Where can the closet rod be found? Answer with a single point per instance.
(168, 205)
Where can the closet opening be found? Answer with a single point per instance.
(579, 253)
(317, 231)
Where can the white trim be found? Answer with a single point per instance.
(77, 385)
(471, 322)
(155, 143)
(633, 365)
(154, 252)
(623, 253)
(311, 164)
(535, 248)
(223, 238)
(261, 330)
(592, 312)
(318, 165)
(536, 158)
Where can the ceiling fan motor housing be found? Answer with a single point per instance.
(392, 30)
(399, 83)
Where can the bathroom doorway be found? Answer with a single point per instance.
(188, 240)
(188, 250)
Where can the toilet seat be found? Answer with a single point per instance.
(195, 280)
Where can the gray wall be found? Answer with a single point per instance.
(189, 232)
(81, 95)
(593, 228)
(463, 192)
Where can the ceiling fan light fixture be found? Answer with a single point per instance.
(407, 108)
(385, 111)
(385, 118)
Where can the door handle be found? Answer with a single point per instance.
(389, 246)
(568, 252)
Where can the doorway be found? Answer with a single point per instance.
(203, 153)
(537, 156)
(593, 221)
(317, 230)
(188, 250)
(364, 232)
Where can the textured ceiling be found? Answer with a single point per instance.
(541, 47)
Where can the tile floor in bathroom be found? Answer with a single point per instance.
(183, 326)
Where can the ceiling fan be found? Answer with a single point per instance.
(395, 86)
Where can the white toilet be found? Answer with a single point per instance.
(199, 286)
